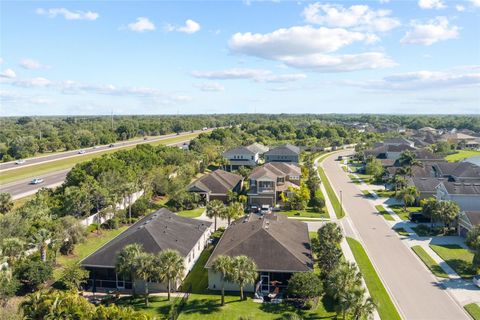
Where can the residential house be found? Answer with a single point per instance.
(466, 220)
(398, 142)
(247, 156)
(462, 139)
(466, 195)
(156, 232)
(425, 186)
(279, 246)
(284, 153)
(216, 185)
(267, 182)
(456, 171)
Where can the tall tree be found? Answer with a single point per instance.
(223, 266)
(6, 203)
(145, 270)
(234, 211)
(342, 279)
(244, 271)
(40, 240)
(446, 211)
(171, 267)
(215, 209)
(125, 264)
(408, 195)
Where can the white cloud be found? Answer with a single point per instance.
(189, 27)
(358, 17)
(210, 86)
(431, 4)
(8, 73)
(384, 1)
(38, 82)
(476, 3)
(142, 24)
(425, 80)
(67, 14)
(434, 30)
(258, 75)
(31, 64)
(459, 8)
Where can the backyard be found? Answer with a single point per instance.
(458, 258)
(194, 213)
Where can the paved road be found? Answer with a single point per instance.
(413, 288)
(23, 188)
(74, 153)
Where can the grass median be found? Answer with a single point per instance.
(57, 165)
(473, 310)
(330, 192)
(384, 213)
(429, 262)
(385, 307)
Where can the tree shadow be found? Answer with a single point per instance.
(201, 306)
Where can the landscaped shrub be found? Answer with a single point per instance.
(140, 207)
(67, 247)
(111, 224)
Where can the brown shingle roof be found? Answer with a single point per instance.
(218, 181)
(274, 242)
(274, 170)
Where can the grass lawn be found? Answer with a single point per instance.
(385, 306)
(194, 213)
(401, 232)
(385, 193)
(458, 258)
(473, 310)
(330, 193)
(82, 250)
(39, 169)
(367, 178)
(429, 262)
(308, 213)
(367, 194)
(354, 179)
(384, 212)
(398, 209)
(462, 154)
(198, 276)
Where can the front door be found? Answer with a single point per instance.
(265, 283)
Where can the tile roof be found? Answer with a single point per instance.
(156, 232)
(274, 242)
(218, 181)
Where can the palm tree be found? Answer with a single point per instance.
(171, 267)
(409, 159)
(399, 181)
(343, 279)
(408, 195)
(363, 309)
(126, 259)
(446, 211)
(234, 211)
(41, 240)
(215, 209)
(145, 270)
(12, 248)
(243, 272)
(223, 265)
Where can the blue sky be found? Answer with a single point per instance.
(233, 57)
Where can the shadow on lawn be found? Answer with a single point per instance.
(201, 306)
(284, 309)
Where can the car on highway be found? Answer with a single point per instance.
(36, 181)
(81, 151)
(145, 138)
(20, 161)
(111, 145)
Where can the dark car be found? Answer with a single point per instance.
(111, 145)
(418, 217)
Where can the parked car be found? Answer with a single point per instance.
(476, 280)
(265, 209)
(81, 151)
(111, 145)
(20, 161)
(418, 217)
(36, 181)
(145, 138)
(254, 209)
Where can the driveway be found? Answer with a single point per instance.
(415, 291)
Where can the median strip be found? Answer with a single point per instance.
(330, 192)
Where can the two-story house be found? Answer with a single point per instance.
(247, 156)
(267, 182)
(285, 153)
(466, 195)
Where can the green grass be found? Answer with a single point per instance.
(473, 310)
(93, 243)
(198, 276)
(194, 213)
(401, 231)
(401, 212)
(365, 177)
(344, 168)
(458, 258)
(379, 294)
(429, 262)
(384, 213)
(330, 193)
(385, 193)
(44, 168)
(367, 194)
(304, 213)
(461, 155)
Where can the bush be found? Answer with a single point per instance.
(67, 248)
(305, 286)
(111, 224)
(33, 272)
(93, 227)
(473, 237)
(140, 207)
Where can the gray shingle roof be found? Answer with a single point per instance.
(252, 149)
(286, 149)
(273, 242)
(218, 181)
(457, 169)
(425, 184)
(275, 169)
(399, 148)
(463, 188)
(397, 141)
(156, 232)
(473, 217)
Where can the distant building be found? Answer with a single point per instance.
(156, 232)
(279, 246)
(216, 185)
(247, 156)
(285, 153)
(398, 142)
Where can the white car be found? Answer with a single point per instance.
(81, 151)
(476, 280)
(36, 181)
(265, 209)
(20, 161)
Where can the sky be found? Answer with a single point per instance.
(158, 57)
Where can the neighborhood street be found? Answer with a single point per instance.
(412, 287)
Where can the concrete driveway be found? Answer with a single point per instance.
(414, 290)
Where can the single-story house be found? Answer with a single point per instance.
(156, 232)
(279, 246)
(456, 171)
(284, 153)
(426, 186)
(466, 195)
(216, 185)
(466, 221)
(267, 182)
(398, 142)
(247, 156)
